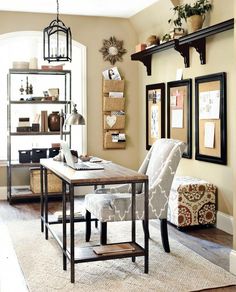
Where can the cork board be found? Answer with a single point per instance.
(179, 98)
(213, 86)
(210, 119)
(155, 113)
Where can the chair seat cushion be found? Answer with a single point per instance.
(109, 207)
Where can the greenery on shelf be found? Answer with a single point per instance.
(199, 7)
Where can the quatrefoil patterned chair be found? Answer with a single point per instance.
(114, 204)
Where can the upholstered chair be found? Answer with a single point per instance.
(114, 204)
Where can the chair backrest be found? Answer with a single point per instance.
(160, 165)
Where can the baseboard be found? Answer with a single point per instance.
(224, 222)
(3, 193)
(232, 262)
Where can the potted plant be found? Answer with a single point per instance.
(193, 14)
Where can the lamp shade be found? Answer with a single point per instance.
(75, 118)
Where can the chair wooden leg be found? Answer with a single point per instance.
(96, 223)
(144, 229)
(103, 233)
(164, 235)
(88, 226)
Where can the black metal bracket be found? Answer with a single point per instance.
(147, 61)
(200, 46)
(184, 52)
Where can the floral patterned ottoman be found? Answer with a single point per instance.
(192, 202)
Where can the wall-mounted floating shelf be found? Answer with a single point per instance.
(196, 39)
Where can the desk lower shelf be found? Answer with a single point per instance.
(87, 254)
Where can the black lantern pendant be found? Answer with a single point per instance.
(57, 41)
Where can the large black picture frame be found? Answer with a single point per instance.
(211, 85)
(184, 132)
(155, 113)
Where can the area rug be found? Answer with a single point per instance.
(181, 270)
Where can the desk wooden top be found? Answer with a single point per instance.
(112, 173)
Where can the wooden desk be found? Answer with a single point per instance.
(112, 174)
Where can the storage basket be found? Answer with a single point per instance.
(38, 153)
(113, 104)
(113, 85)
(119, 124)
(108, 144)
(24, 156)
(54, 183)
(53, 151)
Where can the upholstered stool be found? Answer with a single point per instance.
(192, 201)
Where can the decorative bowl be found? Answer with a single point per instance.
(85, 158)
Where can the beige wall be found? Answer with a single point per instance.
(90, 31)
(219, 56)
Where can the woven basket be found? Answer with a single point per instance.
(119, 124)
(108, 144)
(113, 104)
(113, 85)
(54, 183)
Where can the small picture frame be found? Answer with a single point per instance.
(210, 119)
(179, 113)
(155, 113)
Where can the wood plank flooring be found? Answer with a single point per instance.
(211, 243)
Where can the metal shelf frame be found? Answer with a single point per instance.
(66, 102)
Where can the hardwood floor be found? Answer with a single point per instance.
(211, 243)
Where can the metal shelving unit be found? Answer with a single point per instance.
(14, 101)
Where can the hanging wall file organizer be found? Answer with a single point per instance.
(114, 114)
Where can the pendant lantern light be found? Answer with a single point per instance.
(57, 41)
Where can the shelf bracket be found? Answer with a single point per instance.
(184, 52)
(200, 47)
(147, 61)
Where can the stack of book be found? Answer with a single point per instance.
(23, 125)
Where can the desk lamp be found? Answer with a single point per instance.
(74, 119)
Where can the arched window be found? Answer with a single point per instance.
(21, 46)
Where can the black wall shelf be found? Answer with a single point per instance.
(196, 39)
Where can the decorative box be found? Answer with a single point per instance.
(140, 47)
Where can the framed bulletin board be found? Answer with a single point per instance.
(210, 120)
(179, 113)
(155, 113)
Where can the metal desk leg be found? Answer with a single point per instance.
(133, 203)
(72, 235)
(64, 223)
(41, 199)
(46, 202)
(146, 221)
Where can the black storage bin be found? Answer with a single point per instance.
(38, 153)
(24, 156)
(53, 152)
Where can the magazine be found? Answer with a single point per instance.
(111, 74)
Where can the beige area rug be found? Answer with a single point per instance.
(181, 270)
